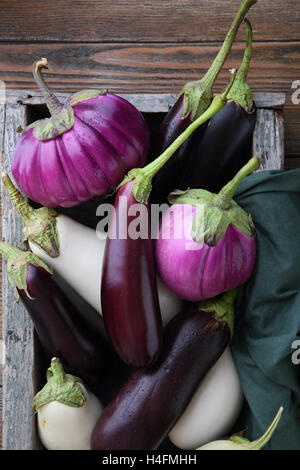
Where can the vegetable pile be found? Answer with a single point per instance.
(163, 294)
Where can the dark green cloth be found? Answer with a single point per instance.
(268, 308)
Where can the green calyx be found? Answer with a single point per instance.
(198, 94)
(143, 176)
(240, 91)
(50, 128)
(215, 212)
(17, 266)
(60, 387)
(62, 115)
(222, 307)
(40, 224)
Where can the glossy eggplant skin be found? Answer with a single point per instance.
(129, 297)
(62, 330)
(224, 148)
(169, 175)
(151, 400)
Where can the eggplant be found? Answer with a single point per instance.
(82, 150)
(192, 101)
(206, 243)
(150, 401)
(66, 410)
(129, 294)
(226, 145)
(63, 331)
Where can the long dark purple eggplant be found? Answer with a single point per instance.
(192, 101)
(129, 296)
(62, 330)
(226, 144)
(151, 400)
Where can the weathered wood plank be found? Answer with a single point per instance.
(145, 68)
(268, 139)
(156, 20)
(17, 328)
(291, 163)
(146, 103)
(292, 128)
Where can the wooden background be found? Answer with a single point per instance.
(150, 47)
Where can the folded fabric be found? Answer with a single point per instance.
(268, 308)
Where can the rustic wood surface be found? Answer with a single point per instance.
(142, 21)
(17, 327)
(149, 47)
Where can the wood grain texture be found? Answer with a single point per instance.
(268, 139)
(143, 21)
(145, 68)
(17, 328)
(155, 68)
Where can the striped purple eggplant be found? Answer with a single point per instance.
(83, 150)
(206, 242)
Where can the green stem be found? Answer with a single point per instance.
(222, 55)
(226, 194)
(21, 205)
(219, 101)
(56, 371)
(143, 176)
(240, 91)
(8, 251)
(262, 441)
(53, 104)
(197, 95)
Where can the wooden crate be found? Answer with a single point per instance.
(20, 346)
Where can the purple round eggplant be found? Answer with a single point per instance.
(129, 297)
(206, 242)
(150, 401)
(83, 150)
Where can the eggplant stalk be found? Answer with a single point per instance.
(238, 442)
(53, 104)
(198, 95)
(143, 176)
(240, 91)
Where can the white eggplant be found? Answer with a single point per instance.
(214, 407)
(66, 411)
(74, 251)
